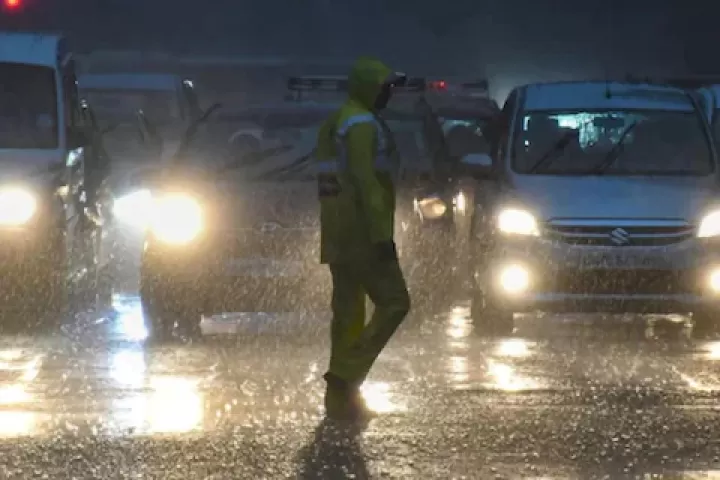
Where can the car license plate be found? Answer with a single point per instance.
(622, 261)
(263, 267)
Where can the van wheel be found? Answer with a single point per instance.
(489, 320)
(706, 323)
(41, 304)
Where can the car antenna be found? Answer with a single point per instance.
(609, 26)
(608, 91)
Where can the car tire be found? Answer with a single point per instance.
(488, 319)
(706, 323)
(169, 312)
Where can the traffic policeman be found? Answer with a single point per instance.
(357, 197)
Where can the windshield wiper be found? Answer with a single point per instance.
(553, 152)
(294, 168)
(614, 152)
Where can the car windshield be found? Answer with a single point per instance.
(121, 106)
(282, 139)
(464, 136)
(612, 143)
(28, 107)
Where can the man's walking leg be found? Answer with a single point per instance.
(384, 283)
(348, 322)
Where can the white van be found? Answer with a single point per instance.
(49, 243)
(607, 200)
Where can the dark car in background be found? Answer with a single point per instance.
(235, 223)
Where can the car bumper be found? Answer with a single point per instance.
(220, 282)
(562, 278)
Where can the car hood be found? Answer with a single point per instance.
(266, 205)
(555, 197)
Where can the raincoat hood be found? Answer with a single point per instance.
(366, 79)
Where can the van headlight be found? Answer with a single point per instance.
(709, 225)
(431, 207)
(176, 218)
(515, 221)
(17, 206)
(133, 208)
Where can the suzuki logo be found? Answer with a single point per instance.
(619, 237)
(269, 227)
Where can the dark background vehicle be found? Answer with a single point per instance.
(252, 173)
(122, 102)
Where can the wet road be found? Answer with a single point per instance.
(565, 398)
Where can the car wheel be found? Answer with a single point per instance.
(706, 324)
(169, 312)
(489, 319)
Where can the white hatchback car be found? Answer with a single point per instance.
(607, 200)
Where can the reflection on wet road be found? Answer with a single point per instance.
(564, 398)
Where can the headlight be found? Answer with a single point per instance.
(431, 207)
(134, 208)
(176, 218)
(709, 225)
(518, 222)
(460, 202)
(17, 206)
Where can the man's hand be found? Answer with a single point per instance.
(385, 252)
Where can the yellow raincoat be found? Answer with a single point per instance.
(357, 216)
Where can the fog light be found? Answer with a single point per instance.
(714, 280)
(516, 279)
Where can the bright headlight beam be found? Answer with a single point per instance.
(431, 207)
(460, 202)
(714, 280)
(176, 218)
(518, 222)
(709, 225)
(134, 208)
(17, 206)
(514, 279)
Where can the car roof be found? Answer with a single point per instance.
(285, 109)
(601, 95)
(130, 81)
(30, 48)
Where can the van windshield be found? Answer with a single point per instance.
(28, 107)
(612, 143)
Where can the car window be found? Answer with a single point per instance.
(653, 142)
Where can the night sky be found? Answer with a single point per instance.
(517, 40)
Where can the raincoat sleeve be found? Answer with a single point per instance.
(360, 145)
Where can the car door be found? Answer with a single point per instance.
(77, 229)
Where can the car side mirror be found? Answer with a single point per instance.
(477, 165)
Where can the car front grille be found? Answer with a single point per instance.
(619, 234)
